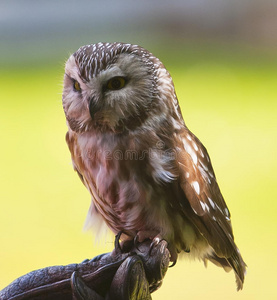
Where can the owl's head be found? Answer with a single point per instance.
(114, 87)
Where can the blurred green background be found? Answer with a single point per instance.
(222, 57)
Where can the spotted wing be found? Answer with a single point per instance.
(211, 215)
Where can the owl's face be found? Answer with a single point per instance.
(111, 87)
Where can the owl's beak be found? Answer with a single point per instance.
(93, 107)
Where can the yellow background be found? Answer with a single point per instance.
(228, 95)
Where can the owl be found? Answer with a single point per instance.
(148, 175)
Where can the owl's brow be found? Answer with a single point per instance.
(70, 77)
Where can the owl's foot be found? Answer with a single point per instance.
(142, 236)
(147, 235)
(117, 246)
(155, 238)
(155, 241)
(173, 253)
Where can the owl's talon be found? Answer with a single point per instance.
(173, 255)
(156, 240)
(173, 263)
(136, 242)
(117, 243)
(125, 245)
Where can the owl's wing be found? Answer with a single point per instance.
(211, 215)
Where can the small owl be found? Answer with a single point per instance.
(148, 175)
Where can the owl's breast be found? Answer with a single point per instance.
(126, 185)
(133, 190)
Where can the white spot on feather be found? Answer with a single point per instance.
(203, 205)
(194, 210)
(207, 207)
(203, 165)
(219, 208)
(195, 146)
(211, 174)
(196, 187)
(211, 202)
(194, 157)
(201, 153)
(190, 151)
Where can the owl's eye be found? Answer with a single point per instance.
(116, 83)
(76, 86)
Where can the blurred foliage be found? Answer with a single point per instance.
(228, 98)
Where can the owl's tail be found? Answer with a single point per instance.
(234, 262)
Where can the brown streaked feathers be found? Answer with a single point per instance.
(147, 174)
